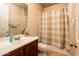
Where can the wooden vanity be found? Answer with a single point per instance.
(26, 50)
(26, 46)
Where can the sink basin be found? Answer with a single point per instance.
(21, 37)
(17, 37)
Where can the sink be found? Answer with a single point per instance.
(17, 37)
(21, 37)
(4, 42)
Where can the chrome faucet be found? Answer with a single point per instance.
(25, 31)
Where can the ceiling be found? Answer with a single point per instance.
(47, 4)
(21, 5)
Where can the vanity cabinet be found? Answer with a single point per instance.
(30, 49)
(33, 47)
(17, 52)
(26, 50)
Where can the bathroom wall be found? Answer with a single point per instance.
(74, 27)
(72, 19)
(34, 17)
(77, 27)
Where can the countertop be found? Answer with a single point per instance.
(16, 44)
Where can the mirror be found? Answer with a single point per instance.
(4, 19)
(13, 18)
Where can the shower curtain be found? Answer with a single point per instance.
(54, 27)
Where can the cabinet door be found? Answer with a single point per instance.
(17, 52)
(26, 50)
(33, 48)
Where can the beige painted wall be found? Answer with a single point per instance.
(74, 27)
(77, 27)
(72, 22)
(33, 18)
(77, 22)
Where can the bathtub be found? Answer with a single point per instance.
(48, 48)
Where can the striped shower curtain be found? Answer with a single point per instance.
(54, 28)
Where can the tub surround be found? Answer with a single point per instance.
(51, 50)
(16, 44)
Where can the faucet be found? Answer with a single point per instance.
(25, 31)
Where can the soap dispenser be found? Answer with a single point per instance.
(11, 38)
